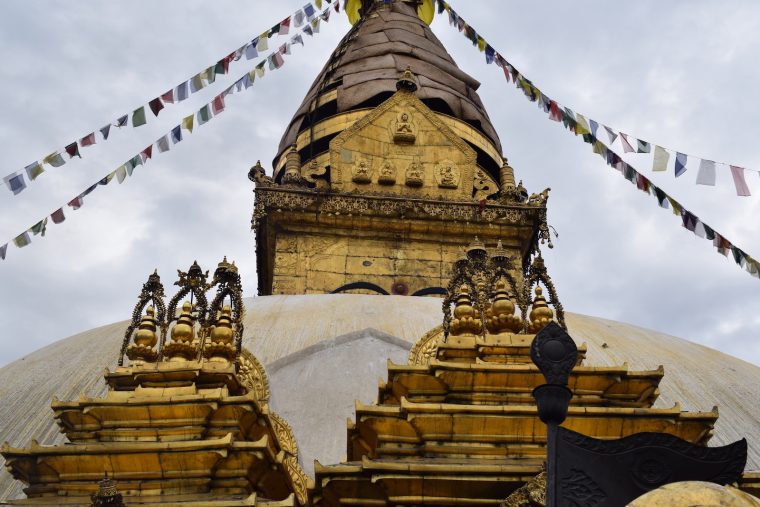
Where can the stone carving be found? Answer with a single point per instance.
(362, 172)
(404, 129)
(387, 174)
(532, 494)
(483, 186)
(447, 174)
(414, 175)
(284, 434)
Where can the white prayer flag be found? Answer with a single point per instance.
(706, 174)
(661, 158)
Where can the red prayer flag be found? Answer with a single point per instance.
(168, 97)
(147, 153)
(73, 150)
(88, 140)
(76, 202)
(554, 111)
(218, 104)
(285, 26)
(58, 216)
(156, 105)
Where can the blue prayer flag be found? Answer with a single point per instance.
(680, 164)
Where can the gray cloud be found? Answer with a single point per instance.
(680, 73)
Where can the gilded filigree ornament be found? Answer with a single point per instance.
(299, 479)
(531, 494)
(253, 376)
(226, 337)
(426, 347)
(487, 297)
(285, 436)
(192, 282)
(152, 293)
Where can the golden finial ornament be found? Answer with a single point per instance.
(476, 248)
(142, 350)
(541, 314)
(500, 317)
(182, 348)
(292, 167)
(407, 81)
(466, 320)
(220, 347)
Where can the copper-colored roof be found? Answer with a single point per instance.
(370, 59)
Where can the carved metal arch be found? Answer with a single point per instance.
(192, 282)
(534, 276)
(361, 286)
(152, 291)
(229, 284)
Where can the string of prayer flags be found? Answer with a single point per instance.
(630, 144)
(204, 114)
(579, 125)
(196, 83)
(15, 183)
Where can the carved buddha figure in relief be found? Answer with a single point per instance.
(414, 176)
(362, 172)
(404, 131)
(448, 176)
(387, 174)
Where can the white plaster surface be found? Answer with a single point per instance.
(312, 343)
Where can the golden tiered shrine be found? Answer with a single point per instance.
(458, 424)
(186, 423)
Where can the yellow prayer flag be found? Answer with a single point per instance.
(352, 8)
(481, 44)
(318, 3)
(582, 127)
(675, 206)
(187, 122)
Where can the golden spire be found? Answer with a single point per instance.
(183, 334)
(476, 248)
(142, 351)
(221, 347)
(541, 314)
(500, 317)
(466, 320)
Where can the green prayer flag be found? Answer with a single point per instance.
(138, 117)
(204, 115)
(219, 68)
(22, 239)
(40, 227)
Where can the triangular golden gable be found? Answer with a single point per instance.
(403, 147)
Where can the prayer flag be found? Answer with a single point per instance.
(681, 159)
(611, 133)
(187, 122)
(298, 18)
(581, 127)
(247, 81)
(642, 183)
(147, 153)
(326, 15)
(156, 106)
(88, 140)
(22, 240)
(105, 131)
(122, 121)
(307, 30)
(163, 144)
(168, 97)
(318, 3)
(490, 54)
(260, 70)
(285, 26)
(54, 159)
(662, 198)
(554, 111)
(217, 105)
(706, 174)
(204, 115)
(337, 5)
(626, 145)
(3, 251)
(182, 92)
(73, 150)
(90, 190)
(643, 146)
(220, 68)
(661, 158)
(40, 227)
(315, 24)
(177, 134)
(594, 127)
(34, 170)
(138, 117)
(15, 183)
(721, 244)
(676, 206)
(76, 202)
(211, 74)
(58, 216)
(250, 50)
(689, 220)
(297, 39)
(308, 9)
(263, 45)
(739, 255)
(121, 173)
(481, 44)
(739, 182)
(196, 83)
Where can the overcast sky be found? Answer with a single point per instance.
(683, 74)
